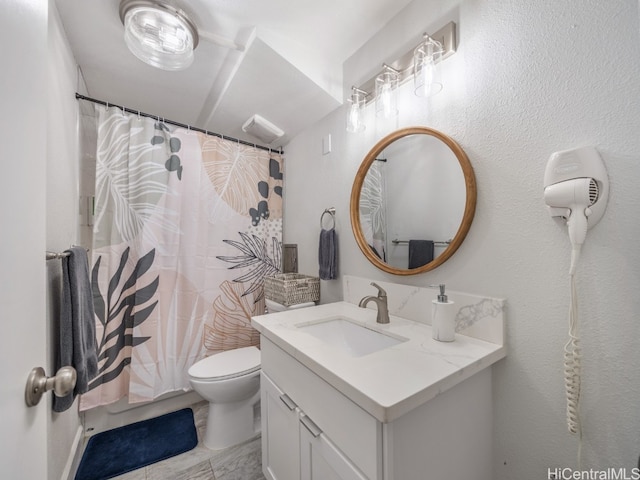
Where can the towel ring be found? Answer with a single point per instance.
(331, 211)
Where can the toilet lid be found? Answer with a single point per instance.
(273, 306)
(227, 364)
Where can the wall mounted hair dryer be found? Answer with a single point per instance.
(576, 189)
(573, 199)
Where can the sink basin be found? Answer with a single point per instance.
(352, 338)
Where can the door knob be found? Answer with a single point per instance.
(62, 384)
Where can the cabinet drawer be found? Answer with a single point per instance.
(356, 433)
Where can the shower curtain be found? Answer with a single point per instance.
(373, 212)
(186, 227)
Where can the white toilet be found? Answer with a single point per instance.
(273, 307)
(230, 381)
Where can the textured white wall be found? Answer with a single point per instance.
(529, 78)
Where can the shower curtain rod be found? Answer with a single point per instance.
(178, 124)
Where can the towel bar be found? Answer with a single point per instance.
(437, 244)
(54, 255)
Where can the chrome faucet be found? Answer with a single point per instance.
(381, 302)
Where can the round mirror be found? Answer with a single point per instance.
(412, 201)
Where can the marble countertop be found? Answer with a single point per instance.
(387, 383)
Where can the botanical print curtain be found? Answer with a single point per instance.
(373, 216)
(186, 227)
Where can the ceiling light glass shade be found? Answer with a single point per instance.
(387, 93)
(355, 114)
(426, 79)
(158, 34)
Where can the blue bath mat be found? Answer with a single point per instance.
(114, 452)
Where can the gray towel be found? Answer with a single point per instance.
(78, 346)
(328, 254)
(420, 252)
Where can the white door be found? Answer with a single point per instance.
(280, 433)
(320, 459)
(23, 36)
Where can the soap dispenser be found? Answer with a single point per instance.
(443, 317)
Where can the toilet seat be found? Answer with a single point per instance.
(227, 364)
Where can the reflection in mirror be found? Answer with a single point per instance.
(413, 201)
(373, 208)
(414, 225)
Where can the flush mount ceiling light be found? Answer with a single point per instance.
(159, 34)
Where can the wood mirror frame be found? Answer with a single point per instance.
(469, 208)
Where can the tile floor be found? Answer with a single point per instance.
(241, 462)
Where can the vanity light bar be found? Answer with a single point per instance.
(446, 36)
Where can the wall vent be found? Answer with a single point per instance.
(262, 129)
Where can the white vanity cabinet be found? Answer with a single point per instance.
(309, 426)
(311, 431)
(293, 446)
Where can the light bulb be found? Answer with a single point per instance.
(425, 75)
(385, 98)
(355, 121)
(386, 93)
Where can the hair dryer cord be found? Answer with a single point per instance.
(572, 370)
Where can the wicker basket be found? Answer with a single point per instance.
(292, 288)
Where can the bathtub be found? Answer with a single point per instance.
(121, 413)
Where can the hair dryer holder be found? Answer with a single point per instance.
(584, 162)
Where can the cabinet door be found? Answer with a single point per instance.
(280, 433)
(320, 459)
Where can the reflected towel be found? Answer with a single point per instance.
(77, 346)
(420, 252)
(328, 254)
